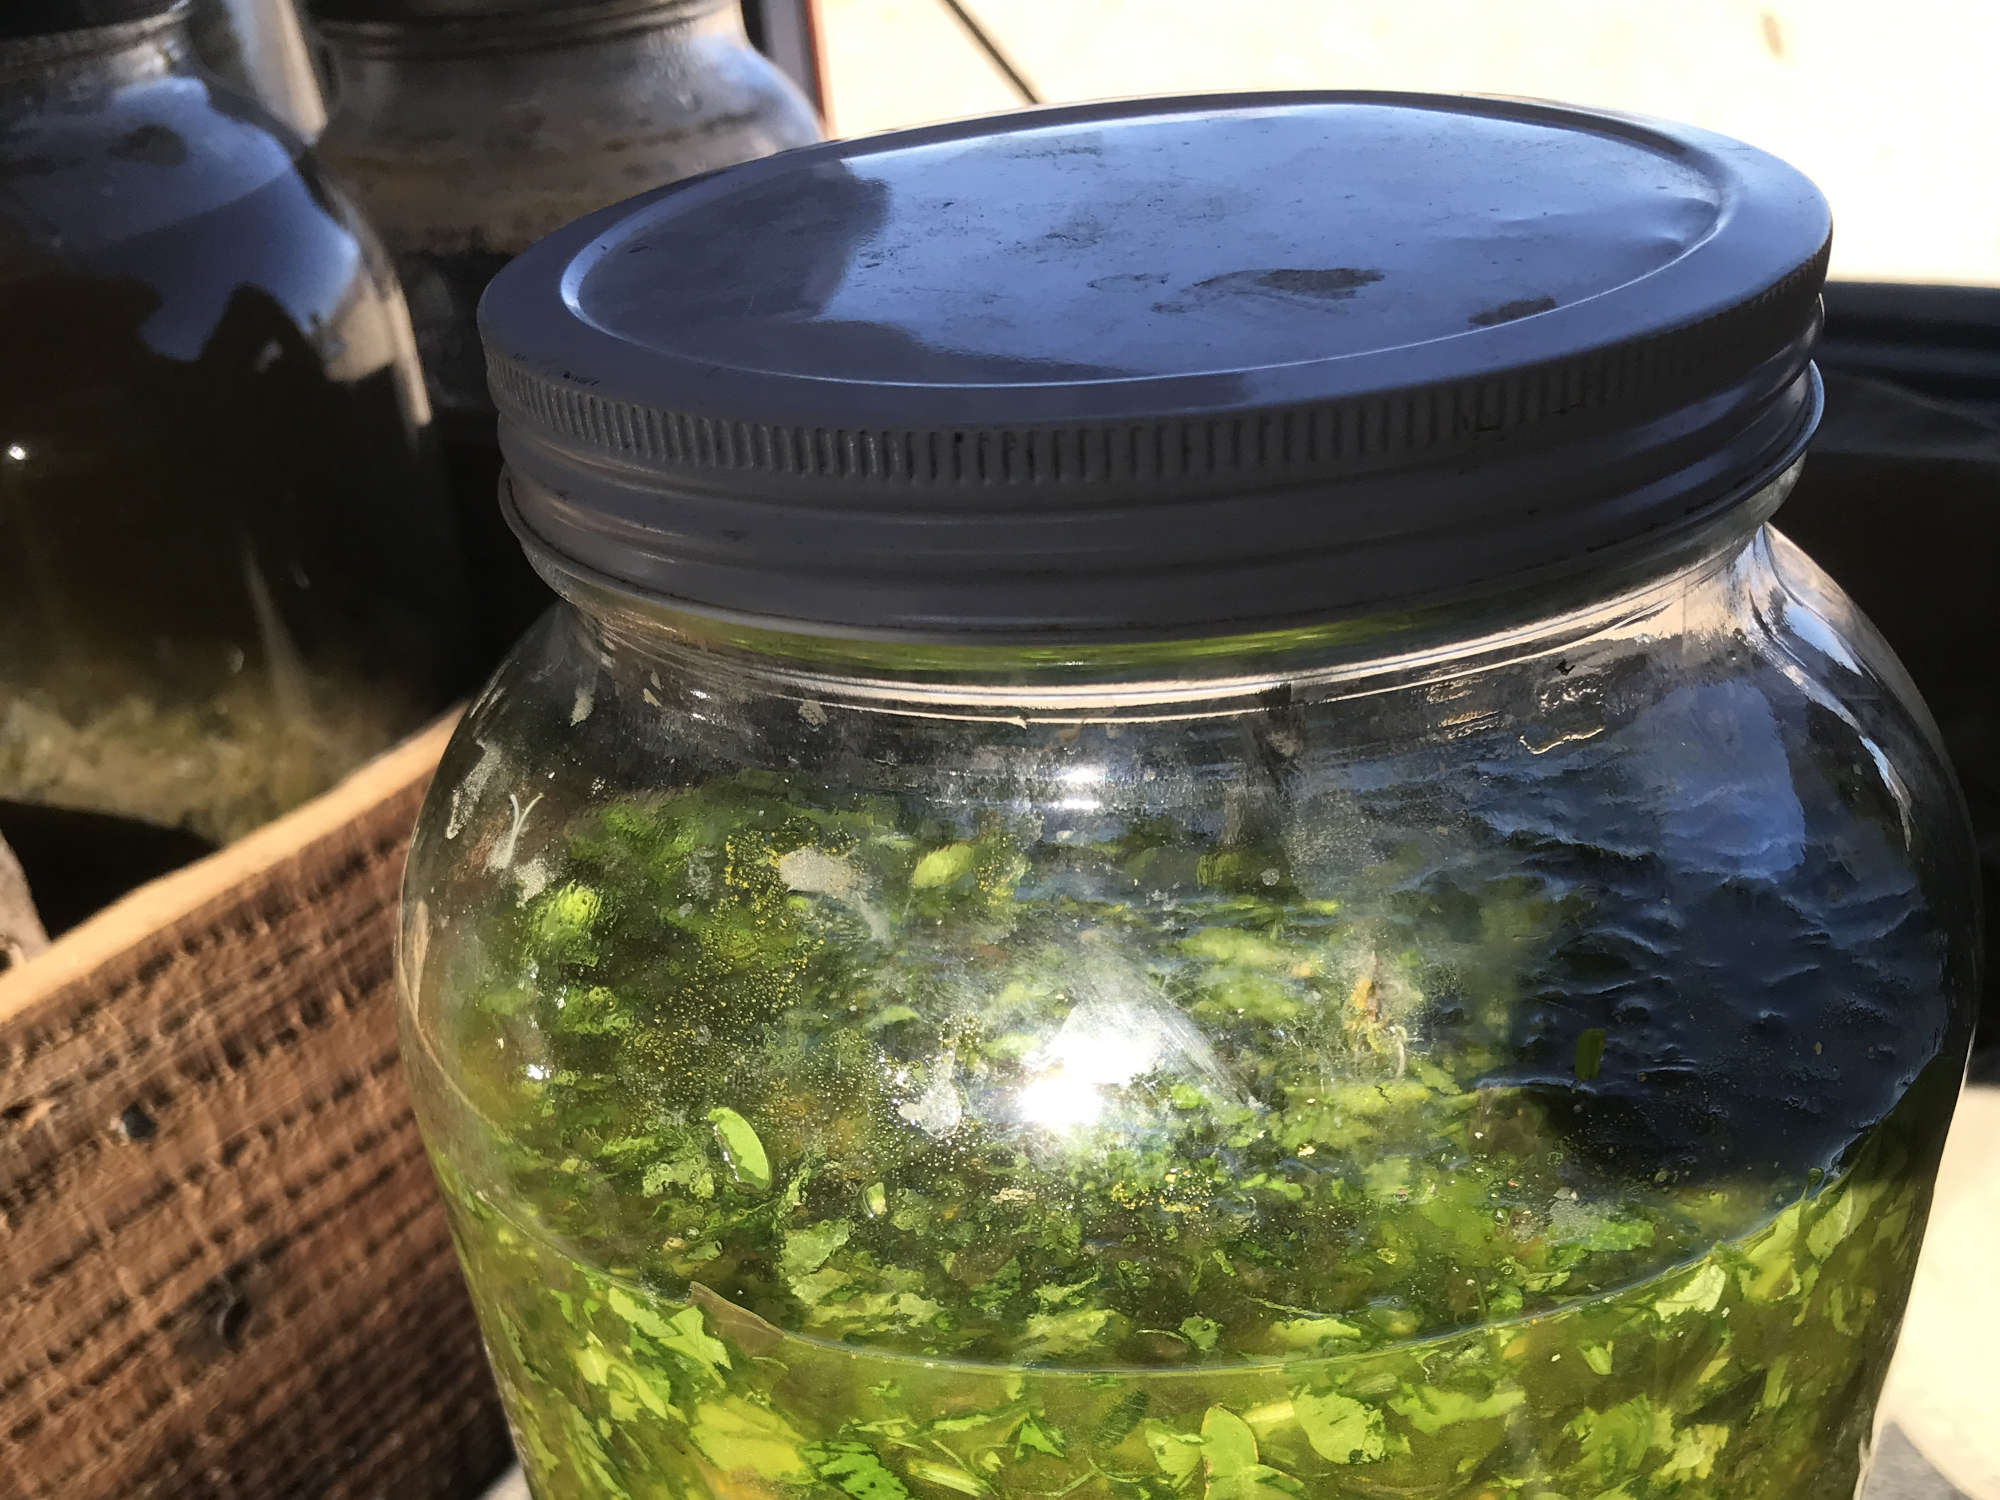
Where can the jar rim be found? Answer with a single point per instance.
(1043, 678)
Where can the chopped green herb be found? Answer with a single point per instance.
(1116, 1171)
(1341, 1429)
(1589, 1053)
(740, 1145)
(855, 1470)
(1201, 1332)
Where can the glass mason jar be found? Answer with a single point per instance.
(1185, 834)
(230, 572)
(469, 129)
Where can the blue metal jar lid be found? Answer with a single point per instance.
(1161, 368)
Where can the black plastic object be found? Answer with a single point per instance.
(1941, 343)
(81, 861)
(1161, 367)
(1901, 504)
(25, 18)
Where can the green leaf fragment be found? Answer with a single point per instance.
(688, 1337)
(1259, 1482)
(688, 1170)
(1201, 1332)
(1341, 1429)
(685, 1333)
(507, 1000)
(1620, 1234)
(738, 1436)
(1124, 1415)
(1598, 1229)
(1598, 1357)
(1431, 1410)
(631, 1391)
(741, 1148)
(1771, 1270)
(1850, 1309)
(1270, 1414)
(591, 1012)
(1700, 1295)
(1589, 1053)
(1035, 1435)
(1232, 945)
(1387, 1176)
(1616, 1442)
(1228, 1446)
(1311, 1333)
(1177, 1453)
(950, 1476)
(565, 917)
(856, 1470)
(1229, 1452)
(944, 866)
(1066, 1332)
(1694, 1453)
(1835, 1223)
(1055, 1296)
(593, 1364)
(1777, 1386)
(806, 1250)
(970, 1422)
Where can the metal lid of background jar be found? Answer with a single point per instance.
(38, 18)
(1160, 367)
(556, 13)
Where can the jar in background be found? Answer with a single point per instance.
(1184, 833)
(471, 128)
(229, 568)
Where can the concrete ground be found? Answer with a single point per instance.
(1890, 107)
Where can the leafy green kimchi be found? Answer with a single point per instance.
(803, 1143)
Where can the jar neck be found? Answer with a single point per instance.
(1390, 646)
(97, 57)
(560, 26)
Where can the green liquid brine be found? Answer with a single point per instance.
(807, 1151)
(1748, 1372)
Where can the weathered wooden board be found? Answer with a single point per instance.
(224, 1271)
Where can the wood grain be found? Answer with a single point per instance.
(224, 1271)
